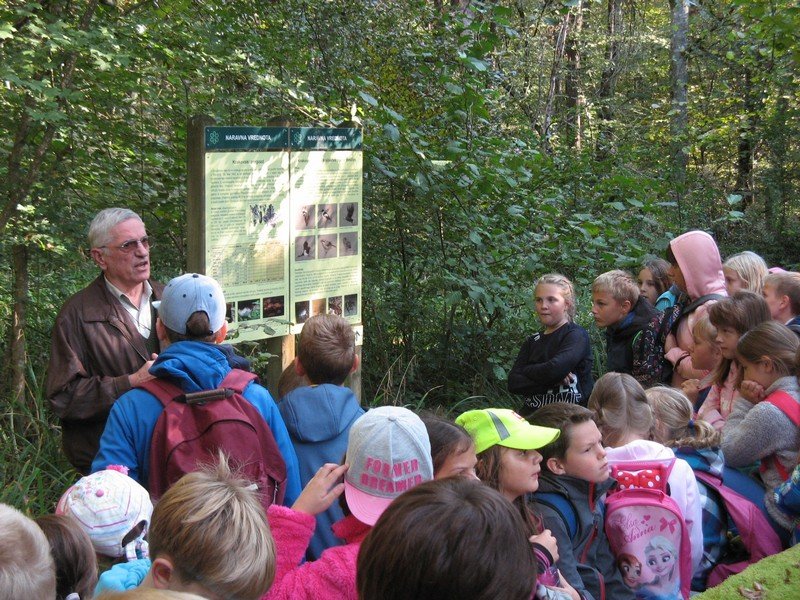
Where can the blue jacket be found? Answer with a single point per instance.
(192, 366)
(319, 419)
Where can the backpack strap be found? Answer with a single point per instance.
(562, 507)
(162, 389)
(237, 380)
(690, 308)
(791, 408)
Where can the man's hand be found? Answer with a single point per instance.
(143, 374)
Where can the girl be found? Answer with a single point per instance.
(732, 317)
(508, 461)
(706, 356)
(654, 283)
(766, 429)
(452, 449)
(744, 271)
(554, 365)
(73, 553)
(626, 420)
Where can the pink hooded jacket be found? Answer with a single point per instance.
(332, 575)
(698, 257)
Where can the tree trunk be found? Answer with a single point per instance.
(554, 80)
(679, 78)
(17, 351)
(745, 146)
(572, 84)
(608, 81)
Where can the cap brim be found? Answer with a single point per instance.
(530, 437)
(365, 507)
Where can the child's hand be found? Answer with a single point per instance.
(546, 541)
(751, 391)
(569, 379)
(321, 490)
(567, 588)
(691, 389)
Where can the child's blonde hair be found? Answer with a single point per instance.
(619, 283)
(750, 267)
(674, 426)
(772, 340)
(704, 329)
(786, 284)
(26, 569)
(212, 526)
(620, 407)
(565, 285)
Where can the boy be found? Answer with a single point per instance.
(617, 305)
(782, 293)
(575, 468)
(26, 566)
(191, 327)
(209, 536)
(319, 416)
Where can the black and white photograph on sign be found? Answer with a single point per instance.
(304, 247)
(350, 305)
(305, 218)
(335, 305)
(273, 307)
(318, 307)
(327, 246)
(263, 214)
(326, 215)
(348, 244)
(247, 310)
(230, 312)
(348, 214)
(301, 310)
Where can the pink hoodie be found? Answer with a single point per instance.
(698, 257)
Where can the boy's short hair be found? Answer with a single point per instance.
(418, 550)
(213, 528)
(786, 284)
(26, 566)
(562, 416)
(620, 284)
(327, 349)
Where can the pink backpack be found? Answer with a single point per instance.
(647, 532)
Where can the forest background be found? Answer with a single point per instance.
(503, 139)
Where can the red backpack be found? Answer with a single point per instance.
(193, 428)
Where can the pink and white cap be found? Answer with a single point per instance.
(389, 453)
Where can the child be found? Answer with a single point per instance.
(655, 285)
(452, 449)
(696, 442)
(191, 327)
(26, 566)
(113, 509)
(418, 550)
(787, 499)
(706, 356)
(732, 317)
(782, 295)
(73, 554)
(576, 468)
(767, 428)
(625, 420)
(696, 269)
(619, 307)
(508, 461)
(319, 415)
(744, 271)
(209, 536)
(554, 365)
(388, 452)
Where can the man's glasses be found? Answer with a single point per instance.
(129, 246)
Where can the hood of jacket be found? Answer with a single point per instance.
(319, 413)
(698, 257)
(573, 487)
(640, 450)
(787, 384)
(195, 366)
(634, 321)
(707, 460)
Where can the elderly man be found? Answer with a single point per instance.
(104, 339)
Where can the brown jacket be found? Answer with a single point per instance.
(95, 346)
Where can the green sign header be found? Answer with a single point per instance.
(322, 138)
(246, 138)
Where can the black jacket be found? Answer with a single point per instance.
(621, 337)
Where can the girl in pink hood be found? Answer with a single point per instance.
(696, 269)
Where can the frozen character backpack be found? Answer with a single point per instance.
(647, 532)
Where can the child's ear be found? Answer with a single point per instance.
(356, 363)
(161, 573)
(298, 367)
(626, 304)
(768, 363)
(555, 466)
